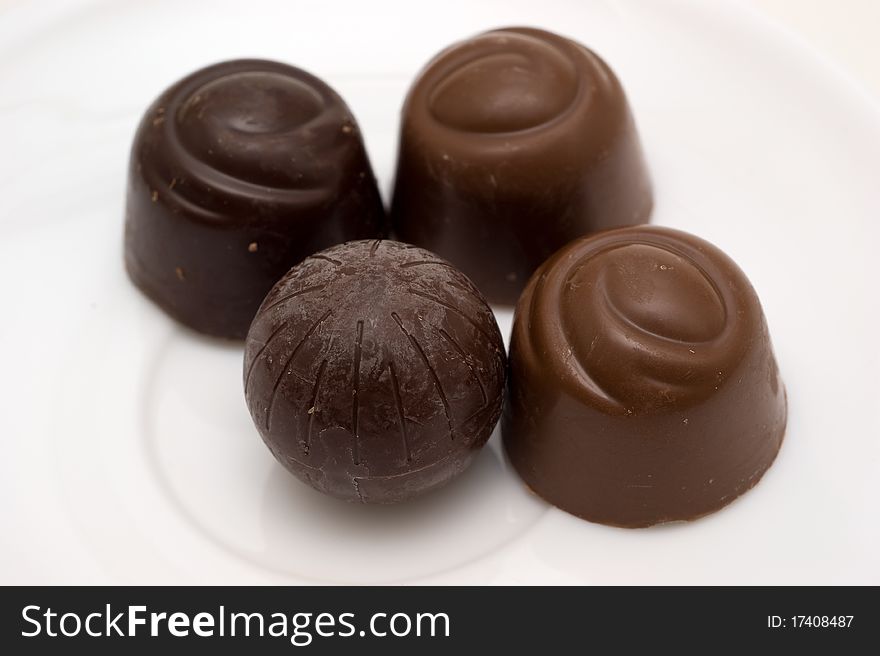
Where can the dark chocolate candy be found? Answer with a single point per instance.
(643, 386)
(374, 371)
(238, 172)
(513, 143)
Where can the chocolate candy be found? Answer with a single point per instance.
(238, 172)
(513, 143)
(643, 386)
(374, 371)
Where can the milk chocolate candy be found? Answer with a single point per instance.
(513, 143)
(643, 386)
(374, 371)
(238, 172)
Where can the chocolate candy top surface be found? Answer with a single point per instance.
(643, 385)
(513, 143)
(238, 172)
(644, 319)
(374, 371)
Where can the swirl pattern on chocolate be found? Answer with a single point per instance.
(520, 137)
(499, 88)
(248, 132)
(238, 172)
(374, 371)
(644, 322)
(516, 83)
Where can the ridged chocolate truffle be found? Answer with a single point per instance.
(643, 386)
(374, 371)
(238, 172)
(513, 143)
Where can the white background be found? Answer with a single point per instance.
(844, 31)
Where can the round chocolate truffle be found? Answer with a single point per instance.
(238, 172)
(513, 143)
(374, 371)
(643, 386)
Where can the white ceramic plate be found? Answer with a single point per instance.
(128, 455)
